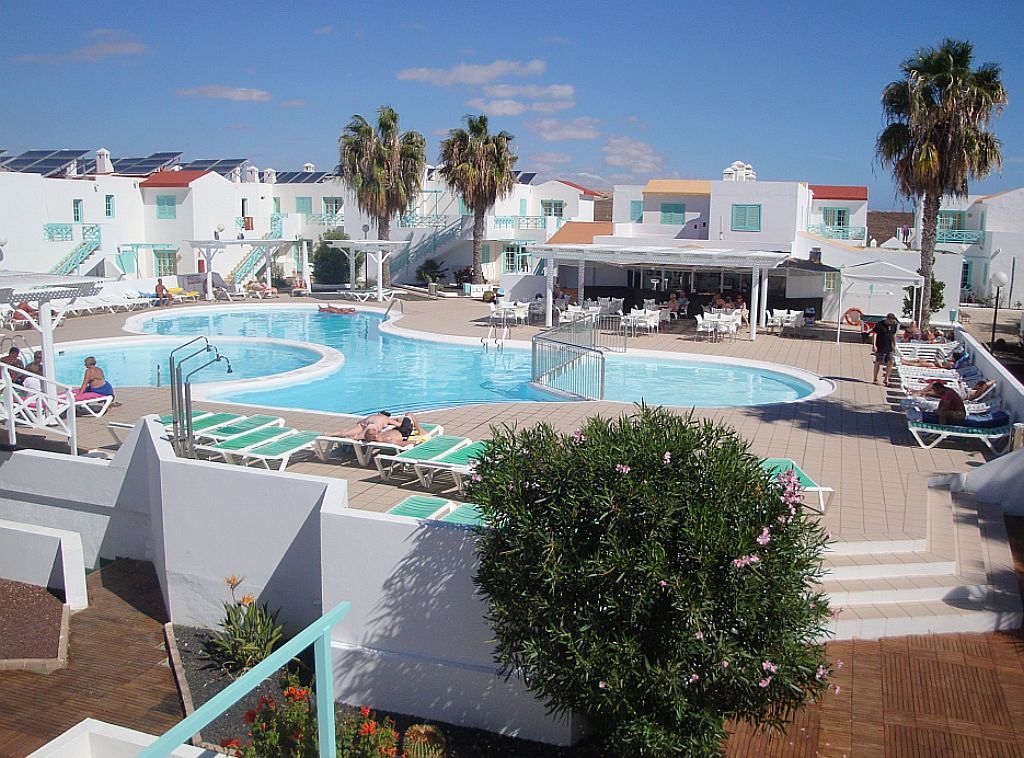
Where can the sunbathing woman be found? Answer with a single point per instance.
(94, 383)
(380, 421)
(336, 309)
(403, 434)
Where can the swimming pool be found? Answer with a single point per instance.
(383, 369)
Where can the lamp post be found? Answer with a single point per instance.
(997, 280)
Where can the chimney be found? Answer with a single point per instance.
(103, 164)
(308, 167)
(252, 174)
(269, 176)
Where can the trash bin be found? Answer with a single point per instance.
(809, 314)
(432, 289)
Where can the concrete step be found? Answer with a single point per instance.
(903, 589)
(981, 614)
(887, 565)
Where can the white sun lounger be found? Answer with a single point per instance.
(364, 451)
(930, 435)
(280, 450)
(431, 449)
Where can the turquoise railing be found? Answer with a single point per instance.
(520, 222)
(57, 232)
(317, 634)
(426, 247)
(325, 219)
(838, 232)
(964, 236)
(434, 220)
(90, 232)
(70, 262)
(251, 262)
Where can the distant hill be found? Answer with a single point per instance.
(883, 225)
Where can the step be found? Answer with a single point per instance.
(887, 565)
(889, 544)
(994, 612)
(903, 589)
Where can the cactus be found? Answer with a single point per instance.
(424, 741)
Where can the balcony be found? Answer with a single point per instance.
(838, 232)
(423, 220)
(961, 236)
(325, 219)
(520, 222)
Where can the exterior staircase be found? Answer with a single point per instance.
(72, 263)
(250, 263)
(956, 577)
(432, 245)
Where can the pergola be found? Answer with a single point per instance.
(209, 249)
(879, 274)
(758, 262)
(376, 250)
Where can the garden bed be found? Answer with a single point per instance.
(30, 621)
(205, 680)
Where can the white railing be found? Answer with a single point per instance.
(51, 408)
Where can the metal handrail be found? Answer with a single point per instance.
(317, 634)
(401, 307)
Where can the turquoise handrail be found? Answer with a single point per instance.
(317, 634)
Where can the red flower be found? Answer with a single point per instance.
(368, 728)
(250, 716)
(297, 735)
(364, 711)
(296, 693)
(268, 701)
(233, 742)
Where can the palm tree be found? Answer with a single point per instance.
(383, 167)
(937, 137)
(480, 167)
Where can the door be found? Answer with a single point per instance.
(245, 207)
(76, 211)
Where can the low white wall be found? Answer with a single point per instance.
(415, 639)
(45, 557)
(1011, 391)
(522, 287)
(91, 738)
(999, 481)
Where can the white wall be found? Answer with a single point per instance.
(781, 211)
(44, 557)
(622, 196)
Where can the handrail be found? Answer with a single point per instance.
(317, 634)
(401, 307)
(569, 346)
(52, 408)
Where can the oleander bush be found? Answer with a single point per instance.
(248, 633)
(647, 574)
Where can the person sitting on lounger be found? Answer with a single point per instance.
(336, 309)
(163, 295)
(94, 383)
(912, 333)
(13, 359)
(951, 408)
(34, 381)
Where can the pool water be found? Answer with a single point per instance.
(387, 371)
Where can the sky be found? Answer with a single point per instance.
(602, 93)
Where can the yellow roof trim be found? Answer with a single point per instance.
(678, 187)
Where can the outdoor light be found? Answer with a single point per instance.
(998, 280)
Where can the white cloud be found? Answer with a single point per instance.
(632, 154)
(472, 73)
(552, 106)
(110, 43)
(551, 91)
(551, 129)
(548, 161)
(328, 29)
(295, 102)
(498, 107)
(223, 92)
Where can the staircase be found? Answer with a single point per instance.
(70, 263)
(957, 576)
(250, 263)
(430, 246)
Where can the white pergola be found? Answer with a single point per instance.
(879, 274)
(209, 249)
(376, 250)
(758, 262)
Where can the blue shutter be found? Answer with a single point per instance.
(304, 205)
(166, 207)
(636, 211)
(673, 213)
(76, 210)
(108, 206)
(746, 218)
(522, 206)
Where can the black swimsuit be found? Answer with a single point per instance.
(406, 428)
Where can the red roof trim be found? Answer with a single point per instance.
(172, 178)
(581, 188)
(838, 192)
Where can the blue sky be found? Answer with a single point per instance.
(600, 92)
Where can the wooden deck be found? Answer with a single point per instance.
(117, 669)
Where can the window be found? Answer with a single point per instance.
(554, 208)
(277, 204)
(636, 211)
(746, 218)
(108, 206)
(673, 213)
(165, 262)
(304, 205)
(515, 261)
(835, 216)
(965, 276)
(166, 207)
(76, 211)
(832, 281)
(522, 206)
(950, 221)
(333, 205)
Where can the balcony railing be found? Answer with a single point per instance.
(421, 220)
(520, 222)
(57, 232)
(325, 219)
(962, 236)
(838, 232)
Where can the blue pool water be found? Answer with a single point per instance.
(393, 372)
(131, 365)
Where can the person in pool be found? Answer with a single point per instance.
(336, 309)
(94, 383)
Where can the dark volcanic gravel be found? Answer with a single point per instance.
(29, 621)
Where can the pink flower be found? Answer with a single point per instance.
(746, 560)
(699, 635)
(834, 613)
(578, 437)
(663, 583)
(837, 688)
(667, 457)
(725, 664)
(769, 667)
(821, 674)
(694, 678)
(839, 664)
(603, 685)
(622, 468)
(476, 478)
(765, 537)
(764, 682)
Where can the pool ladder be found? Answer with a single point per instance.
(183, 438)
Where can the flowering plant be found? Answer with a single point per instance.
(362, 734)
(248, 633)
(648, 574)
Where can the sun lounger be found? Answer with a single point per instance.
(280, 450)
(364, 295)
(928, 435)
(364, 450)
(236, 446)
(467, 513)
(93, 404)
(238, 428)
(777, 466)
(208, 423)
(425, 451)
(459, 463)
(421, 506)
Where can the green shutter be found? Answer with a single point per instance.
(304, 205)
(522, 206)
(636, 211)
(485, 253)
(673, 213)
(746, 218)
(166, 207)
(277, 204)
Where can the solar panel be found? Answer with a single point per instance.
(200, 165)
(166, 156)
(37, 154)
(300, 177)
(69, 155)
(527, 177)
(44, 162)
(227, 165)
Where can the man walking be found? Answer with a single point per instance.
(883, 340)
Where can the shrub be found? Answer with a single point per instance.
(431, 270)
(248, 633)
(330, 265)
(936, 301)
(649, 575)
(364, 735)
